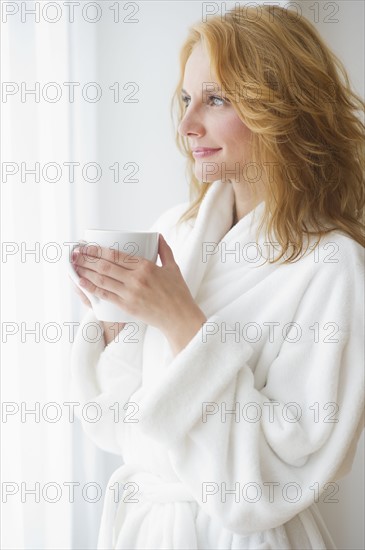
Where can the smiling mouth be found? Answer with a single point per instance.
(205, 153)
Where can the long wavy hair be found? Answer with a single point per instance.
(302, 115)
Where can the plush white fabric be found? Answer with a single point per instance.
(171, 452)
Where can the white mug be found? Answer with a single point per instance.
(134, 243)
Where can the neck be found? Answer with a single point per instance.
(244, 201)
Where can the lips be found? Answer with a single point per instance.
(205, 149)
(200, 152)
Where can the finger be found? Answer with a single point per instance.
(165, 252)
(102, 286)
(83, 296)
(97, 269)
(99, 264)
(127, 258)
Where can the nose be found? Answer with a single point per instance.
(190, 124)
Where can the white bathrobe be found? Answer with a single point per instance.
(230, 444)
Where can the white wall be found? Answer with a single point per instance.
(147, 53)
(345, 36)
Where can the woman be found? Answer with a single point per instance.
(236, 401)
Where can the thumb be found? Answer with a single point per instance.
(165, 251)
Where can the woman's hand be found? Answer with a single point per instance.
(111, 330)
(85, 300)
(157, 295)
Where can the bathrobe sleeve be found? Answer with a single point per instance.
(257, 467)
(103, 378)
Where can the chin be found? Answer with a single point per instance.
(209, 178)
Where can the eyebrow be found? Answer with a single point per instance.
(204, 91)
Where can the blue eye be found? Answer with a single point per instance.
(213, 97)
(210, 100)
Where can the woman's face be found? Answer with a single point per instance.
(210, 121)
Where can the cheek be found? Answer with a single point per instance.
(234, 132)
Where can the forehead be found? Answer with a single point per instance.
(197, 68)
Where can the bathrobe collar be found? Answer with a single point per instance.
(212, 224)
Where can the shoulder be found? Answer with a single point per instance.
(335, 286)
(332, 267)
(339, 255)
(344, 246)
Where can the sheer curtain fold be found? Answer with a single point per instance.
(41, 457)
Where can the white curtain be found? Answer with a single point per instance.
(43, 453)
